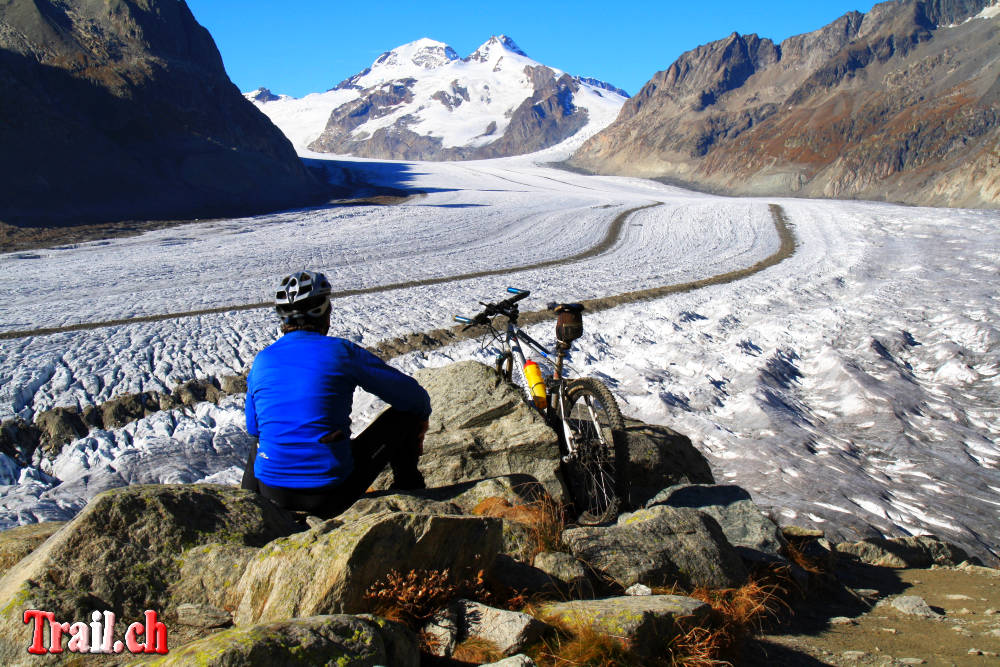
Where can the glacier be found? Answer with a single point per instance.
(854, 386)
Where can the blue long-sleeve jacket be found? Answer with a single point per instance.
(300, 390)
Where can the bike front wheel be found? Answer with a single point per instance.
(596, 469)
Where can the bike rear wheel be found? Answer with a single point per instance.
(596, 473)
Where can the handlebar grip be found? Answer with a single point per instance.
(463, 320)
(518, 294)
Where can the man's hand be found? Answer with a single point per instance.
(421, 432)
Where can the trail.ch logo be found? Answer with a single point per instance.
(147, 636)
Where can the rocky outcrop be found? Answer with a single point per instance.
(121, 552)
(18, 542)
(568, 575)
(659, 456)
(121, 109)
(241, 582)
(660, 546)
(898, 104)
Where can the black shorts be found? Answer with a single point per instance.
(392, 439)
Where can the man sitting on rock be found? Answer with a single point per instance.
(299, 394)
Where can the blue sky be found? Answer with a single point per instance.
(304, 46)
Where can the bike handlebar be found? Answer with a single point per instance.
(505, 307)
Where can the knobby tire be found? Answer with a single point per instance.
(598, 476)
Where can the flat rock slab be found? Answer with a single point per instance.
(660, 546)
(346, 641)
(646, 622)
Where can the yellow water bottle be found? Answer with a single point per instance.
(533, 374)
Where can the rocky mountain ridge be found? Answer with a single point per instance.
(122, 109)
(422, 101)
(900, 103)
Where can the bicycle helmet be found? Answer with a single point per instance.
(302, 296)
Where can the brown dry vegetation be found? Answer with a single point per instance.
(414, 597)
(545, 519)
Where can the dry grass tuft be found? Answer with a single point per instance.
(737, 613)
(583, 647)
(412, 598)
(746, 607)
(477, 651)
(545, 518)
(793, 552)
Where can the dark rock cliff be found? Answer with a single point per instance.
(122, 109)
(899, 104)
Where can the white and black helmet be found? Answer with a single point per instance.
(302, 296)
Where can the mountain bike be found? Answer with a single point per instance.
(582, 411)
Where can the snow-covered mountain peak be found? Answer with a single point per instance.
(424, 53)
(495, 48)
(421, 101)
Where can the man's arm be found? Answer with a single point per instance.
(250, 409)
(394, 387)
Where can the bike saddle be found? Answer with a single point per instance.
(566, 307)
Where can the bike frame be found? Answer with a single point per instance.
(511, 343)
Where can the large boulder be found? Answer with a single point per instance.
(660, 546)
(122, 551)
(126, 408)
(481, 427)
(329, 568)
(517, 490)
(745, 526)
(645, 623)
(19, 440)
(347, 641)
(660, 457)
(413, 502)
